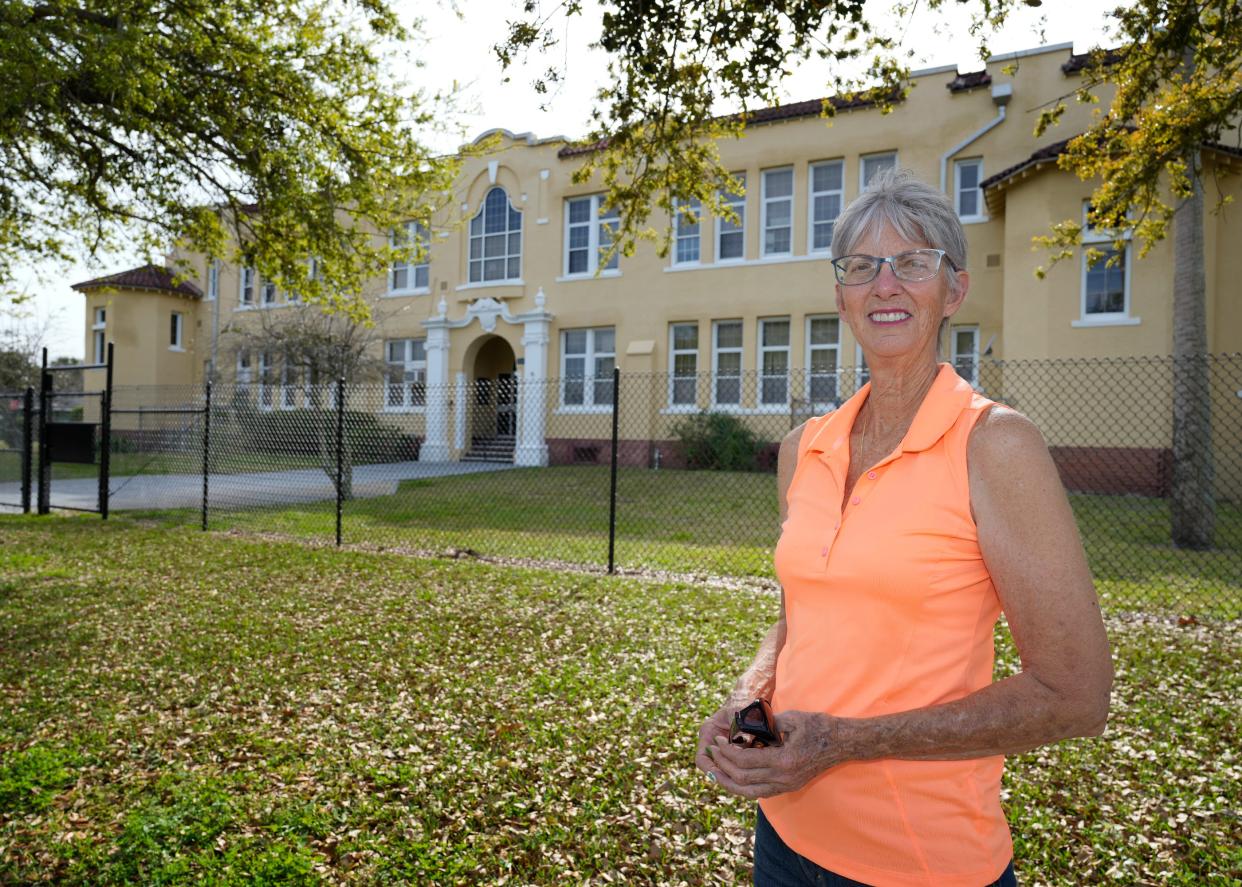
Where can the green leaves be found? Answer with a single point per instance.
(262, 133)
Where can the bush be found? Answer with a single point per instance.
(718, 441)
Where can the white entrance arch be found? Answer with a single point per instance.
(531, 447)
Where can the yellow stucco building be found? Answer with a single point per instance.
(741, 318)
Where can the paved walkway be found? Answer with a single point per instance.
(161, 491)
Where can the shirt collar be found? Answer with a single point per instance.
(943, 404)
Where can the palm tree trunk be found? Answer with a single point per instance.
(1192, 506)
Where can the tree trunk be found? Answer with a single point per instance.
(1192, 506)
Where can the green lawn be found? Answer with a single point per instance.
(725, 523)
(187, 708)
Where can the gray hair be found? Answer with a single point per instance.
(914, 209)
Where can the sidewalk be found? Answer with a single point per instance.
(160, 491)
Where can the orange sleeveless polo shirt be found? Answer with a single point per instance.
(888, 608)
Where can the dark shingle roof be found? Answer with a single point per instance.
(774, 114)
(1043, 155)
(148, 277)
(973, 80)
(1080, 60)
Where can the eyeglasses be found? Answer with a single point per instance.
(755, 726)
(913, 264)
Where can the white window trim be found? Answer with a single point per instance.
(411, 229)
(739, 350)
(760, 403)
(836, 370)
(213, 281)
(242, 289)
(1092, 237)
(588, 378)
(179, 343)
(862, 165)
(673, 351)
(286, 387)
(764, 200)
(407, 405)
(811, 250)
(263, 367)
(246, 371)
(738, 263)
(739, 203)
(677, 218)
(954, 354)
(594, 223)
(99, 336)
(981, 215)
(482, 260)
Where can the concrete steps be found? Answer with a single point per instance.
(491, 449)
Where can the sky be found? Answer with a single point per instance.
(457, 58)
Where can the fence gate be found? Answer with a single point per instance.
(69, 432)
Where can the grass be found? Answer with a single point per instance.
(184, 708)
(725, 523)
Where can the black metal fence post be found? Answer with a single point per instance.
(340, 453)
(105, 439)
(45, 461)
(206, 448)
(612, 493)
(27, 444)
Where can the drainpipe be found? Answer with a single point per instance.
(215, 326)
(1001, 94)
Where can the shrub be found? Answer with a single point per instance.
(717, 441)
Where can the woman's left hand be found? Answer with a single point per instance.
(810, 746)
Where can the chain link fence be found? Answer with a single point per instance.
(529, 470)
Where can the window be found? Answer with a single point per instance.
(587, 359)
(245, 295)
(213, 280)
(265, 380)
(589, 229)
(774, 361)
(823, 349)
(967, 174)
(175, 331)
(683, 364)
(727, 363)
(873, 165)
(496, 240)
(778, 211)
(827, 192)
(731, 236)
(688, 219)
(965, 353)
(407, 374)
(267, 294)
(1106, 283)
(412, 276)
(98, 332)
(244, 375)
(290, 385)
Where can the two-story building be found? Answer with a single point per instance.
(511, 329)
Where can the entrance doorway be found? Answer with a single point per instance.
(493, 408)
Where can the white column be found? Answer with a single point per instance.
(463, 394)
(436, 447)
(532, 448)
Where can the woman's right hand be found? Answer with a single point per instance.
(717, 725)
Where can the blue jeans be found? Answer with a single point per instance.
(778, 866)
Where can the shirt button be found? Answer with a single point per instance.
(823, 552)
(855, 500)
(871, 474)
(836, 526)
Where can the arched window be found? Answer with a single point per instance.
(496, 240)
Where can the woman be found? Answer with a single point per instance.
(912, 517)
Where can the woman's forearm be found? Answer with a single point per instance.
(1010, 716)
(759, 680)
